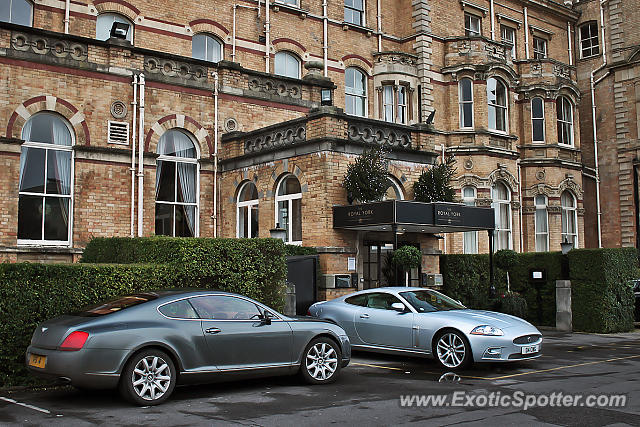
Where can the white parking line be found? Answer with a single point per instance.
(26, 405)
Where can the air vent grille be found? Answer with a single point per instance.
(118, 133)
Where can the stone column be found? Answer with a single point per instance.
(564, 321)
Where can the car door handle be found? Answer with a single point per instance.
(364, 316)
(213, 330)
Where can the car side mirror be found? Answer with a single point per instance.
(266, 318)
(398, 306)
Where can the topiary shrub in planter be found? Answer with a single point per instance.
(512, 303)
(366, 179)
(407, 257)
(434, 184)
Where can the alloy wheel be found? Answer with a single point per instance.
(451, 350)
(151, 378)
(321, 361)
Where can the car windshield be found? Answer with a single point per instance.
(114, 305)
(425, 301)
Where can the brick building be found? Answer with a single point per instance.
(130, 117)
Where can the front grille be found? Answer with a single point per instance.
(527, 339)
(516, 356)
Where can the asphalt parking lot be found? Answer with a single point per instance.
(369, 392)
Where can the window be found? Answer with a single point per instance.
(46, 181)
(564, 109)
(589, 44)
(115, 305)
(539, 48)
(18, 12)
(497, 100)
(206, 48)
(537, 119)
(105, 22)
(501, 197)
(359, 300)
(508, 36)
(470, 238)
(569, 218)
(354, 12)
(542, 224)
(179, 310)
(247, 218)
(465, 99)
(177, 185)
(225, 308)
(471, 25)
(289, 2)
(287, 64)
(355, 92)
(381, 300)
(289, 208)
(394, 103)
(394, 191)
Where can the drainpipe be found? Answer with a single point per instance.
(520, 201)
(267, 35)
(325, 38)
(569, 40)
(215, 155)
(493, 21)
(526, 31)
(593, 118)
(67, 8)
(380, 28)
(134, 107)
(141, 157)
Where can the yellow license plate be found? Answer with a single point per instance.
(37, 360)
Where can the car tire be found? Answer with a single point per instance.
(148, 378)
(451, 350)
(321, 361)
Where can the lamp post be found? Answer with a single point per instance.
(565, 246)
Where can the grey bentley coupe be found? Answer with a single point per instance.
(424, 322)
(146, 343)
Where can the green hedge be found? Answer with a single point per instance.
(31, 293)
(295, 250)
(601, 298)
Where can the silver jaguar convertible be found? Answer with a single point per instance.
(147, 343)
(424, 322)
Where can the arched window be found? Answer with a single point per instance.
(289, 208)
(564, 108)
(247, 214)
(287, 64)
(355, 92)
(394, 191)
(46, 181)
(470, 238)
(498, 104)
(177, 185)
(18, 12)
(569, 218)
(537, 119)
(465, 99)
(105, 22)
(542, 224)
(501, 197)
(206, 48)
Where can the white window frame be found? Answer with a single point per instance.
(540, 48)
(397, 187)
(249, 204)
(499, 108)
(207, 37)
(535, 219)
(592, 36)
(285, 54)
(566, 211)
(175, 203)
(504, 30)
(533, 119)
(356, 97)
(462, 102)
(561, 122)
(30, 17)
(468, 30)
(402, 110)
(495, 204)
(363, 15)
(470, 201)
(47, 147)
(123, 19)
(289, 199)
(294, 3)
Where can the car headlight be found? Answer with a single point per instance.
(487, 330)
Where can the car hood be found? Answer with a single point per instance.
(483, 317)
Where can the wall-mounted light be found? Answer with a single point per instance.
(565, 246)
(278, 233)
(326, 97)
(119, 30)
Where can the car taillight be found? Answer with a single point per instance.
(74, 341)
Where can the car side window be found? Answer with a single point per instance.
(179, 310)
(222, 307)
(381, 301)
(360, 300)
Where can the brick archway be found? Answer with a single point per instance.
(182, 122)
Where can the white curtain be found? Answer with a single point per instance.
(158, 175)
(187, 179)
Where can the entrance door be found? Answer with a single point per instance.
(378, 269)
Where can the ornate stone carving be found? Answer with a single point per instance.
(536, 68)
(562, 71)
(275, 87)
(396, 58)
(276, 138)
(370, 134)
(468, 163)
(118, 109)
(554, 209)
(231, 125)
(540, 174)
(528, 210)
(496, 52)
(175, 69)
(48, 46)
